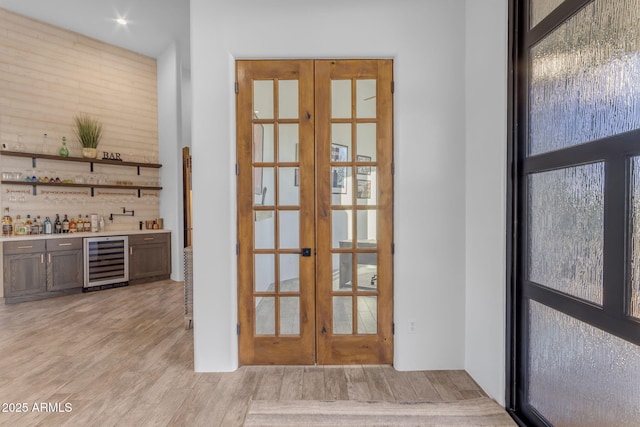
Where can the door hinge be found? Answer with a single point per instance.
(238, 328)
(393, 328)
(393, 249)
(237, 88)
(393, 168)
(237, 170)
(393, 86)
(237, 248)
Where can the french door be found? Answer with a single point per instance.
(315, 205)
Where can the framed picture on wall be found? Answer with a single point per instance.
(338, 180)
(363, 170)
(364, 189)
(339, 153)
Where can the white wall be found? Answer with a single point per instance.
(426, 40)
(170, 152)
(486, 139)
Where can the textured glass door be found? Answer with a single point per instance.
(577, 319)
(315, 212)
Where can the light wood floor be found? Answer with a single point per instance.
(122, 357)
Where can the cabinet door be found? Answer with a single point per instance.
(64, 264)
(24, 274)
(149, 257)
(64, 270)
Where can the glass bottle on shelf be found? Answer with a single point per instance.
(47, 227)
(45, 145)
(65, 224)
(27, 224)
(73, 226)
(87, 223)
(35, 227)
(57, 225)
(19, 228)
(79, 224)
(7, 223)
(64, 151)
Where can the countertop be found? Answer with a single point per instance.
(81, 235)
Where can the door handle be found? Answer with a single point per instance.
(305, 252)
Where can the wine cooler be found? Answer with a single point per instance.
(106, 262)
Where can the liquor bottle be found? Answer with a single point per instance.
(73, 226)
(79, 224)
(57, 225)
(27, 224)
(87, 223)
(47, 227)
(35, 227)
(7, 223)
(64, 151)
(65, 224)
(18, 228)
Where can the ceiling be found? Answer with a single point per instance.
(152, 24)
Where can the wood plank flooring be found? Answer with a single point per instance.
(123, 357)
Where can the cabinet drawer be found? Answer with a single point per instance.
(64, 244)
(24, 247)
(142, 239)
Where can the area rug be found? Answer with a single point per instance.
(299, 413)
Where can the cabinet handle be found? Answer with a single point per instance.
(49, 258)
(25, 247)
(149, 238)
(41, 258)
(64, 244)
(130, 250)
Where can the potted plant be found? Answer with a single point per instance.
(88, 130)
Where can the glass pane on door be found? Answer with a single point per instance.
(580, 375)
(584, 83)
(566, 230)
(634, 219)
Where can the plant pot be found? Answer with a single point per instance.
(90, 153)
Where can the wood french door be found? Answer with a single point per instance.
(315, 206)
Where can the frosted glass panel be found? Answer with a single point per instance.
(580, 375)
(584, 77)
(634, 268)
(540, 9)
(566, 230)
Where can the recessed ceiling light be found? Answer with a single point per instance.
(121, 21)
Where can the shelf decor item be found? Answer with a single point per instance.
(64, 151)
(89, 132)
